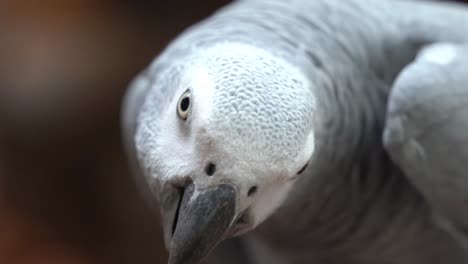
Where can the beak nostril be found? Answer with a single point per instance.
(210, 169)
(252, 191)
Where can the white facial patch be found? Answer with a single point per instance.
(262, 106)
(201, 84)
(269, 200)
(441, 54)
(259, 111)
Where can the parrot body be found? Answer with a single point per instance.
(386, 132)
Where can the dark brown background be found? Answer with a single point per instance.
(66, 195)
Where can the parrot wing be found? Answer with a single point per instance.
(426, 132)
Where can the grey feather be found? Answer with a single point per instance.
(354, 204)
(426, 133)
(131, 107)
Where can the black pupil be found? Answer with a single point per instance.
(184, 104)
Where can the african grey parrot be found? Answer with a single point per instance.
(309, 131)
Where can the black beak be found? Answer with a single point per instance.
(201, 222)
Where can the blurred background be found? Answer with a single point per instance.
(66, 195)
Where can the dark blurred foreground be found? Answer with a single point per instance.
(66, 193)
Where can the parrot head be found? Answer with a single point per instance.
(225, 145)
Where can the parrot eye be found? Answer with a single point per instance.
(303, 169)
(183, 106)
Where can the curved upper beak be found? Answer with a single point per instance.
(201, 221)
